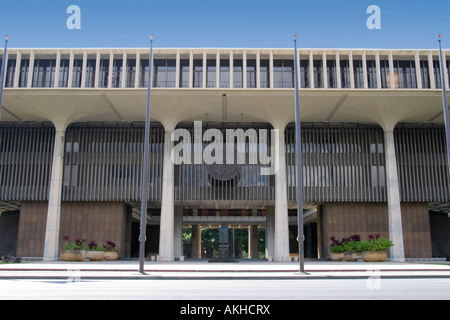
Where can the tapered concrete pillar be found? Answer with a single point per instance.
(253, 242)
(51, 245)
(166, 240)
(393, 197)
(281, 245)
(196, 242)
(178, 230)
(270, 232)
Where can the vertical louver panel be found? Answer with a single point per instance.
(422, 167)
(104, 163)
(26, 153)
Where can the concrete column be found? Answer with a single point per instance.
(253, 242)
(324, 68)
(31, 70)
(138, 68)
(270, 232)
(258, 69)
(271, 69)
(57, 67)
(196, 242)
(110, 73)
(312, 84)
(352, 73)
(418, 74)
(364, 61)
(177, 70)
(393, 197)
(70, 75)
(97, 68)
(178, 230)
(166, 242)
(391, 70)
(51, 246)
(83, 70)
(204, 70)
(191, 69)
(378, 64)
(431, 70)
(281, 245)
(338, 70)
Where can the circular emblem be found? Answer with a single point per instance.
(224, 171)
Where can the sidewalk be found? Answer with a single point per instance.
(203, 269)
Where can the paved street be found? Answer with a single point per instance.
(321, 289)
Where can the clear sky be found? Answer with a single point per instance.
(233, 23)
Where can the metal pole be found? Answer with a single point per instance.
(2, 74)
(298, 148)
(144, 195)
(445, 106)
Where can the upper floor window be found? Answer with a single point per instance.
(405, 74)
(331, 74)
(130, 77)
(184, 73)
(283, 73)
(10, 73)
(358, 73)
(345, 74)
(90, 73)
(164, 73)
(44, 73)
(77, 72)
(237, 73)
(211, 73)
(251, 73)
(318, 73)
(198, 73)
(103, 73)
(64, 73)
(264, 74)
(224, 75)
(304, 74)
(372, 74)
(425, 74)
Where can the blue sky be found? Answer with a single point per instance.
(233, 23)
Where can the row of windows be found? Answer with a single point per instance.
(321, 74)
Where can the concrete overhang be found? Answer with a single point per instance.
(171, 106)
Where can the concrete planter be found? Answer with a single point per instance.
(351, 256)
(336, 256)
(73, 255)
(111, 255)
(374, 256)
(95, 255)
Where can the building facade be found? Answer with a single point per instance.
(72, 136)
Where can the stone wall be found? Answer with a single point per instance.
(99, 221)
(344, 219)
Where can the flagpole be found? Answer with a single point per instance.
(298, 143)
(144, 197)
(2, 74)
(445, 105)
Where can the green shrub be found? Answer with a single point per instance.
(379, 244)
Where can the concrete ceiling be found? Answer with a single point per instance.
(171, 106)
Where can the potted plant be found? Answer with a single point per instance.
(73, 250)
(352, 247)
(111, 251)
(375, 249)
(336, 250)
(96, 252)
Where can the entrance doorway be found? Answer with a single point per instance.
(246, 232)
